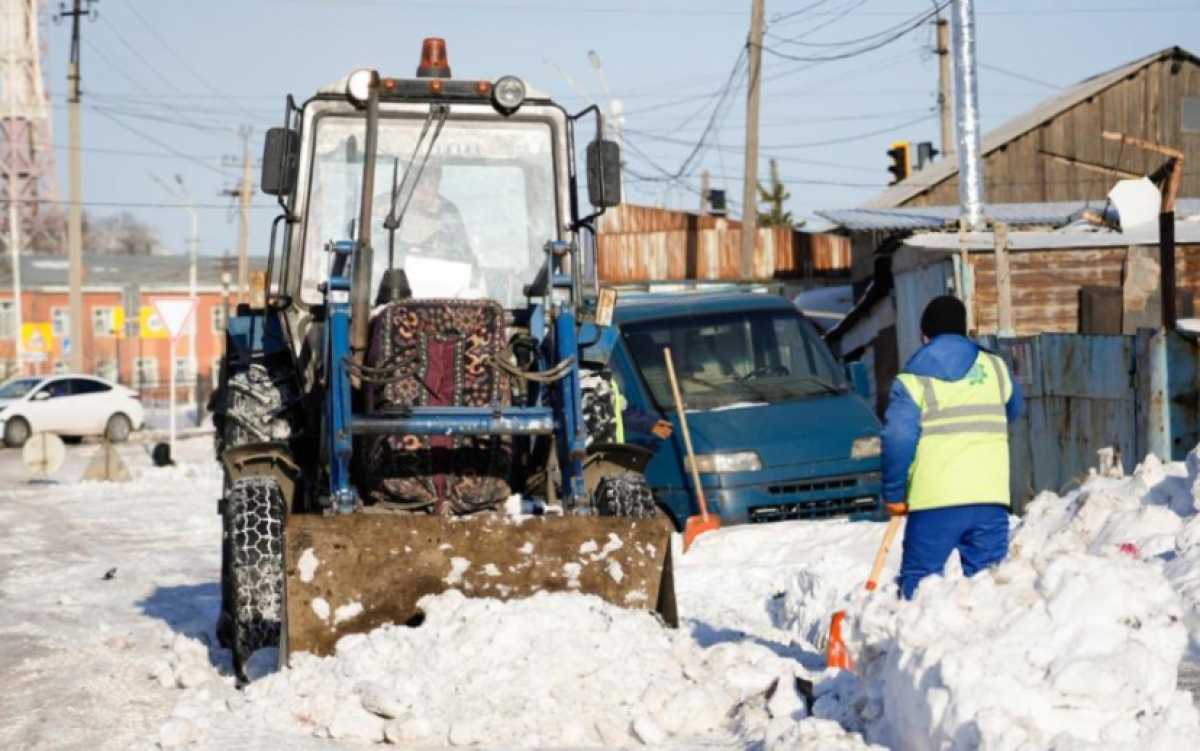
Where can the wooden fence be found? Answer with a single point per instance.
(642, 243)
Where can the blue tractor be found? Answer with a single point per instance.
(420, 400)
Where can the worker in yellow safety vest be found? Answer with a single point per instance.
(642, 425)
(945, 449)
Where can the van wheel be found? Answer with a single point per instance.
(16, 432)
(118, 429)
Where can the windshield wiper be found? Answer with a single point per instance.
(392, 223)
(827, 386)
(739, 383)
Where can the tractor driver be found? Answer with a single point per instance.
(431, 243)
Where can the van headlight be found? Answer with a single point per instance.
(866, 448)
(739, 461)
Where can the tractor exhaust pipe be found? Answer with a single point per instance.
(360, 293)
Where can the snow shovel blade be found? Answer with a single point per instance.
(698, 525)
(837, 655)
(352, 573)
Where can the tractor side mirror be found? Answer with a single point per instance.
(281, 151)
(604, 174)
(859, 379)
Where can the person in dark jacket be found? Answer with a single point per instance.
(945, 449)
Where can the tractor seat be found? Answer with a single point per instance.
(428, 353)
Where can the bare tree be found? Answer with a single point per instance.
(120, 234)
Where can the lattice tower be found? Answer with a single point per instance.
(26, 149)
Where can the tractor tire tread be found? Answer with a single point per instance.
(254, 520)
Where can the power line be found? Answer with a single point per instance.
(157, 142)
(175, 53)
(817, 120)
(138, 54)
(804, 144)
(134, 152)
(571, 8)
(877, 40)
(1020, 76)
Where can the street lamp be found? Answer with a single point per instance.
(615, 110)
(182, 192)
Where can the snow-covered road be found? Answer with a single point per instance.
(109, 592)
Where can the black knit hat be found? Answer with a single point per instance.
(944, 315)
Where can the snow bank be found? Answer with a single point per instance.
(1075, 640)
(553, 670)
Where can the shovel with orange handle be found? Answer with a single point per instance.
(838, 656)
(705, 522)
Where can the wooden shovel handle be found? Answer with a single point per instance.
(889, 535)
(687, 436)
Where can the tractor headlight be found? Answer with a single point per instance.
(865, 448)
(739, 461)
(508, 93)
(358, 85)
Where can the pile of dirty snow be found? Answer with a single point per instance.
(1076, 639)
(553, 670)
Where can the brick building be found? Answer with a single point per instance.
(122, 337)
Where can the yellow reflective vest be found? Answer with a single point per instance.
(619, 408)
(962, 455)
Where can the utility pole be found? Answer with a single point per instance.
(80, 8)
(244, 220)
(750, 187)
(944, 84)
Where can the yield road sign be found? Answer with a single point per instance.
(174, 312)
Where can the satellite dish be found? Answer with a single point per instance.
(1137, 201)
(43, 454)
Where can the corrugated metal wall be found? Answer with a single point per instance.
(642, 243)
(1084, 393)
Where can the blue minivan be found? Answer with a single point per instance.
(778, 429)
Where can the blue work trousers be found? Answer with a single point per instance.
(979, 532)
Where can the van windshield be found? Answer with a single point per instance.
(733, 358)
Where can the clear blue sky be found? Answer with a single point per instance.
(168, 76)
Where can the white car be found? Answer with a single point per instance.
(68, 405)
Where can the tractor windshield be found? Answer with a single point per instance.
(478, 215)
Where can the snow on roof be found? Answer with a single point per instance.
(1050, 214)
(1048, 109)
(1076, 236)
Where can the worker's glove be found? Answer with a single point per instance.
(662, 429)
(897, 509)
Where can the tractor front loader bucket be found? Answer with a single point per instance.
(352, 573)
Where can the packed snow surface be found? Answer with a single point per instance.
(1075, 642)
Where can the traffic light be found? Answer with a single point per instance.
(901, 160)
(925, 154)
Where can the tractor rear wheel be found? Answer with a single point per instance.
(253, 570)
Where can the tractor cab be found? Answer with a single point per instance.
(470, 180)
